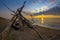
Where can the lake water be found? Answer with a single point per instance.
(48, 22)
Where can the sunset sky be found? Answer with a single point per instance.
(33, 6)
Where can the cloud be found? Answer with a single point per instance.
(36, 1)
(52, 1)
(39, 0)
(44, 8)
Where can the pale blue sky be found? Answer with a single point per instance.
(31, 5)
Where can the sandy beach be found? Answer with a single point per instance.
(30, 34)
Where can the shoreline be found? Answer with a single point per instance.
(50, 27)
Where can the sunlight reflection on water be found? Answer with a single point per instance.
(49, 22)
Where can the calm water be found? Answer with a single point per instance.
(49, 22)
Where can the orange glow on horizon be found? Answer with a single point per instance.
(44, 16)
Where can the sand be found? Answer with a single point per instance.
(30, 34)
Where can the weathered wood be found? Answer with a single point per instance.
(5, 32)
